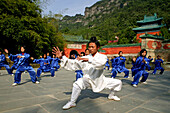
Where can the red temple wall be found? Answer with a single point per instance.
(140, 40)
(126, 50)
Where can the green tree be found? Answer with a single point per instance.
(21, 24)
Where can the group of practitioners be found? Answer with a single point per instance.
(89, 67)
(139, 66)
(21, 63)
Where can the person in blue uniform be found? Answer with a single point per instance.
(158, 66)
(38, 61)
(48, 56)
(49, 59)
(120, 65)
(87, 52)
(74, 55)
(23, 65)
(4, 63)
(12, 58)
(149, 60)
(114, 71)
(107, 64)
(113, 61)
(55, 63)
(79, 73)
(45, 67)
(133, 69)
(140, 65)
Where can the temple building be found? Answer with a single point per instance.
(150, 25)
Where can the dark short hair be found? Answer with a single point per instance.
(158, 56)
(142, 52)
(120, 52)
(83, 53)
(94, 40)
(86, 50)
(23, 46)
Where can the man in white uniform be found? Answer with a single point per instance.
(92, 67)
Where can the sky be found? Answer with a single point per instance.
(66, 7)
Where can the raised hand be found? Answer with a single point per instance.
(57, 52)
(32, 58)
(19, 57)
(6, 51)
(144, 60)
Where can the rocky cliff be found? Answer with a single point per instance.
(96, 11)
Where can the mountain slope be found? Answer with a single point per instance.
(109, 18)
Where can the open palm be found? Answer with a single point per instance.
(57, 52)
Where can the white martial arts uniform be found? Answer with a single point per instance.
(93, 75)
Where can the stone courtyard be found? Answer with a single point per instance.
(53, 92)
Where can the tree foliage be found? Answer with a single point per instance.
(21, 24)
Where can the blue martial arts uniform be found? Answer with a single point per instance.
(38, 61)
(49, 57)
(148, 66)
(114, 71)
(140, 70)
(120, 67)
(45, 67)
(107, 64)
(15, 60)
(158, 66)
(3, 63)
(113, 62)
(23, 65)
(54, 63)
(134, 69)
(79, 74)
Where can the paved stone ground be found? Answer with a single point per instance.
(53, 92)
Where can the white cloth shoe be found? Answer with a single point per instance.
(14, 84)
(134, 85)
(37, 82)
(69, 105)
(144, 83)
(114, 98)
